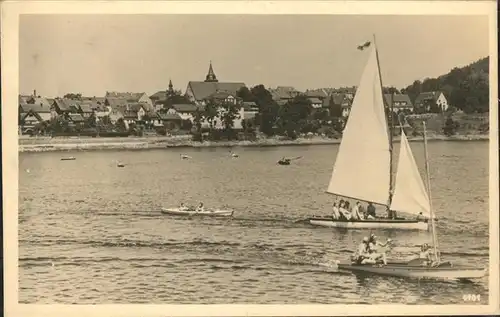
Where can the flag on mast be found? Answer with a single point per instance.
(365, 45)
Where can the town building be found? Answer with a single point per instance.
(222, 100)
(250, 110)
(198, 91)
(316, 103)
(283, 94)
(184, 111)
(129, 96)
(160, 98)
(32, 114)
(426, 100)
(399, 102)
(336, 100)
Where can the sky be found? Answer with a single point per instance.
(92, 54)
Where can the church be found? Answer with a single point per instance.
(198, 91)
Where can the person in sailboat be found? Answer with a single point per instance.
(356, 214)
(344, 211)
(362, 210)
(370, 211)
(335, 212)
(425, 254)
(362, 255)
(373, 249)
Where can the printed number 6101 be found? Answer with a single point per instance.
(471, 297)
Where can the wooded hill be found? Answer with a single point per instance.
(466, 88)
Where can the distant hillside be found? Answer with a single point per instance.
(466, 88)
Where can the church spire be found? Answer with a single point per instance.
(170, 87)
(211, 75)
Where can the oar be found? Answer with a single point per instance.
(295, 158)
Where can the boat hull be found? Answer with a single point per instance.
(423, 272)
(371, 224)
(207, 213)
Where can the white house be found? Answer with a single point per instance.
(425, 99)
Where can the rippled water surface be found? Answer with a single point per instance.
(90, 232)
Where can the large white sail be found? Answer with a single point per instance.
(362, 166)
(410, 195)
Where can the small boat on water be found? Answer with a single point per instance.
(410, 193)
(192, 212)
(69, 158)
(287, 161)
(444, 270)
(185, 157)
(120, 164)
(364, 166)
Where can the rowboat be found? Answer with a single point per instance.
(380, 223)
(409, 194)
(284, 162)
(70, 158)
(287, 161)
(191, 212)
(404, 269)
(363, 168)
(233, 155)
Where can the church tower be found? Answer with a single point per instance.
(211, 78)
(170, 90)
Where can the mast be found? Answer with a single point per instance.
(431, 214)
(391, 182)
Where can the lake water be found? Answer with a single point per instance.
(92, 233)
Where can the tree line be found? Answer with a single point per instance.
(465, 88)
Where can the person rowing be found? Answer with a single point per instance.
(183, 207)
(200, 208)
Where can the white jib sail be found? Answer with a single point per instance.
(362, 166)
(410, 195)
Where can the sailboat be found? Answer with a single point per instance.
(416, 268)
(363, 167)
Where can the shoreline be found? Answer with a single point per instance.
(47, 144)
